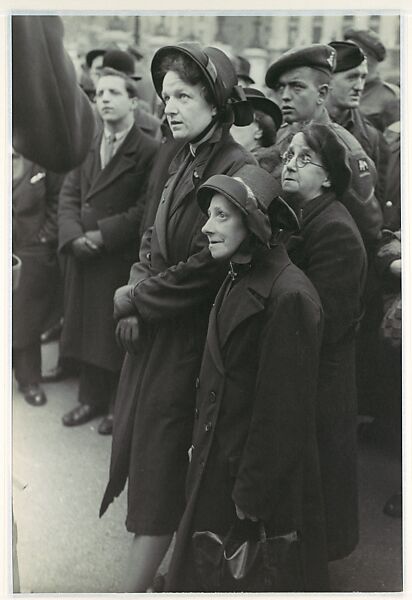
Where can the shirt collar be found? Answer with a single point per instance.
(119, 135)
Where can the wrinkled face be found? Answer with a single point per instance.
(298, 94)
(306, 182)
(225, 228)
(347, 86)
(112, 100)
(95, 69)
(247, 136)
(186, 109)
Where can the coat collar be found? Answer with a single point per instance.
(122, 161)
(187, 184)
(247, 298)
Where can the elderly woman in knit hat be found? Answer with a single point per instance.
(162, 313)
(254, 454)
(331, 252)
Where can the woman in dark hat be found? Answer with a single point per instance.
(162, 313)
(331, 253)
(260, 136)
(254, 454)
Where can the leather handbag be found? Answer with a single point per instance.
(263, 564)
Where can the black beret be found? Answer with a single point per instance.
(368, 40)
(260, 102)
(348, 55)
(317, 56)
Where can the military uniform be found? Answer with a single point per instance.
(380, 103)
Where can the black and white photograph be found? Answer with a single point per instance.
(206, 309)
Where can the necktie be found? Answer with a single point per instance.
(108, 149)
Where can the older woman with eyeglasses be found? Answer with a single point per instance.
(331, 252)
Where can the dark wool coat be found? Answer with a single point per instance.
(175, 283)
(359, 198)
(332, 255)
(53, 122)
(254, 441)
(110, 200)
(35, 199)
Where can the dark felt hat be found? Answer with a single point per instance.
(332, 153)
(260, 102)
(242, 68)
(318, 56)
(368, 40)
(120, 61)
(253, 202)
(219, 74)
(90, 56)
(348, 55)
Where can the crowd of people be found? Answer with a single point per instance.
(224, 265)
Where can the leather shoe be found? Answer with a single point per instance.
(106, 425)
(33, 394)
(57, 374)
(393, 506)
(83, 413)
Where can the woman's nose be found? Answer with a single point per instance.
(207, 227)
(170, 108)
(291, 164)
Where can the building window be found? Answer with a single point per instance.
(375, 23)
(317, 28)
(293, 31)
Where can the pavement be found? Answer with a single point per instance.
(59, 475)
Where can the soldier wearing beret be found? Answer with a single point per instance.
(301, 78)
(348, 82)
(380, 99)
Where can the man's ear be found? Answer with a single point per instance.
(327, 183)
(258, 134)
(135, 102)
(214, 111)
(322, 93)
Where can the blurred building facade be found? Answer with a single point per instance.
(261, 38)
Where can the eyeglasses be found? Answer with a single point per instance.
(301, 160)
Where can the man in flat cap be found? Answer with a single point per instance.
(300, 79)
(380, 99)
(345, 93)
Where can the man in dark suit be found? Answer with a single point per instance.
(101, 205)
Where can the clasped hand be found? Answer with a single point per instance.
(127, 333)
(88, 246)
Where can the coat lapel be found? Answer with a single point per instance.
(123, 160)
(249, 295)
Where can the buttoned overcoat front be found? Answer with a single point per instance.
(175, 282)
(254, 441)
(111, 200)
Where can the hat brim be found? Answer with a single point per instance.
(90, 56)
(164, 51)
(226, 188)
(268, 107)
(246, 78)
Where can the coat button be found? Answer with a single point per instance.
(197, 383)
(149, 256)
(87, 204)
(208, 427)
(196, 413)
(195, 174)
(212, 397)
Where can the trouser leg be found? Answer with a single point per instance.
(97, 387)
(27, 364)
